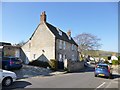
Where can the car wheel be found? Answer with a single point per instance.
(95, 75)
(7, 81)
(110, 77)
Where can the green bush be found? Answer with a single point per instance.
(106, 61)
(53, 64)
(39, 63)
(114, 62)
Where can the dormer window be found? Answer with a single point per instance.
(69, 37)
(59, 31)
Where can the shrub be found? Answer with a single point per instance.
(106, 61)
(114, 62)
(53, 64)
(39, 63)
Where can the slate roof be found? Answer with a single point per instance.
(54, 30)
(58, 36)
(4, 43)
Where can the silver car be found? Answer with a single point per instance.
(7, 77)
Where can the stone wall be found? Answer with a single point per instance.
(41, 46)
(73, 66)
(67, 51)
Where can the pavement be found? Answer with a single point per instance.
(58, 73)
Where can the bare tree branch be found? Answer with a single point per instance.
(87, 41)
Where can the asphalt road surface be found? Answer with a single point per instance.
(82, 79)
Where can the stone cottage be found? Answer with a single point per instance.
(49, 42)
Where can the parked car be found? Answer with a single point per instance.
(9, 63)
(7, 77)
(102, 69)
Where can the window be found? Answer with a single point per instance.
(69, 37)
(60, 57)
(29, 45)
(34, 56)
(73, 57)
(72, 46)
(75, 48)
(64, 45)
(60, 44)
(64, 57)
(59, 31)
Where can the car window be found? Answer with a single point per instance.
(6, 58)
(102, 66)
(14, 59)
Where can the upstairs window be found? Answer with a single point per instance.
(60, 44)
(64, 45)
(72, 46)
(73, 57)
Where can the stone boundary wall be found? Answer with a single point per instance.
(73, 66)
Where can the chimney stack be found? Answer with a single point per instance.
(69, 33)
(43, 17)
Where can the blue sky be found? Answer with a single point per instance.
(19, 20)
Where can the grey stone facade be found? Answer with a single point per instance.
(49, 42)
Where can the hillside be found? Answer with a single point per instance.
(100, 53)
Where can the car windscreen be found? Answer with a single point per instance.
(102, 66)
(6, 58)
(14, 59)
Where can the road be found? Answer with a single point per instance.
(83, 79)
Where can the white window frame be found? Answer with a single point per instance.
(73, 57)
(64, 57)
(72, 46)
(60, 57)
(59, 31)
(69, 37)
(60, 44)
(64, 45)
(34, 56)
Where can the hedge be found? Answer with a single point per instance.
(39, 63)
(53, 64)
(114, 62)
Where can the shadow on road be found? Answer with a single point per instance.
(17, 85)
(116, 76)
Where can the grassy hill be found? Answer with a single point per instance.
(99, 53)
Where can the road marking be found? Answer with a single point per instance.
(100, 85)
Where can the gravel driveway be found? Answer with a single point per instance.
(30, 71)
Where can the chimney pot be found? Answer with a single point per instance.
(43, 17)
(69, 34)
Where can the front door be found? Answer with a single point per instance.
(60, 62)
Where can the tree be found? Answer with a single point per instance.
(87, 41)
(20, 43)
